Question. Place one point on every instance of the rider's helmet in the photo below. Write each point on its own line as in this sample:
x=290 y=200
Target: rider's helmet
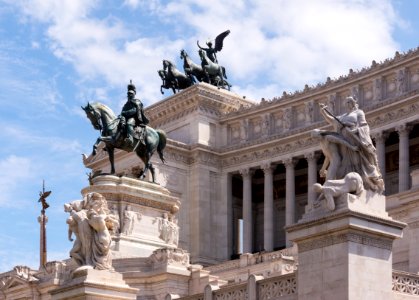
x=131 y=87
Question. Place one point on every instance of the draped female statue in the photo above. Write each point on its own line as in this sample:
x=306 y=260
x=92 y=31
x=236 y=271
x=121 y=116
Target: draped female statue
x=349 y=147
x=91 y=222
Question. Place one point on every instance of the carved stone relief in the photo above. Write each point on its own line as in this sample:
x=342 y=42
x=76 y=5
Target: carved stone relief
x=378 y=88
x=168 y=228
x=129 y=219
x=401 y=81
x=287 y=117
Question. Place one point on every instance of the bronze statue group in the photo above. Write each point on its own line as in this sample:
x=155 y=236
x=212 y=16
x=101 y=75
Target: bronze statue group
x=209 y=71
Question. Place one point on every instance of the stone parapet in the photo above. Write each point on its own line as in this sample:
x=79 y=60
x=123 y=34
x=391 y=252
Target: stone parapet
x=345 y=254
x=91 y=284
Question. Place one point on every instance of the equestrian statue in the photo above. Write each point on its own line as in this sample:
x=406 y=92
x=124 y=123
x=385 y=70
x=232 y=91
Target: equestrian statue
x=129 y=131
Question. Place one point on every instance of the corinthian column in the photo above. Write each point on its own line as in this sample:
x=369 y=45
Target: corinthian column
x=311 y=177
x=403 y=132
x=268 y=208
x=380 y=143
x=289 y=193
x=247 y=210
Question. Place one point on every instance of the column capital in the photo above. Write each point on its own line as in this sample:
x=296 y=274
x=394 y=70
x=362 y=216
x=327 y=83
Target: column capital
x=312 y=156
x=290 y=162
x=403 y=130
x=267 y=168
x=380 y=136
x=246 y=172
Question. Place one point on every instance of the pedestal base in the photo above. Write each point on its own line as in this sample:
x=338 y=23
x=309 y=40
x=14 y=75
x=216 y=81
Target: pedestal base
x=345 y=254
x=91 y=284
x=146 y=214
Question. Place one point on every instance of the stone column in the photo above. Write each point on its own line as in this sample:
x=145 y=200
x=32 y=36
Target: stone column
x=289 y=194
x=268 y=208
x=404 y=178
x=225 y=212
x=380 y=144
x=311 y=178
x=43 y=219
x=247 y=211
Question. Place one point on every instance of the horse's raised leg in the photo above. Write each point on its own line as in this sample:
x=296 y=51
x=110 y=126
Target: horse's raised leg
x=94 y=151
x=111 y=158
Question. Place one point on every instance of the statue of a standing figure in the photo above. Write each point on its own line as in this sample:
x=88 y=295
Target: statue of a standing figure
x=91 y=223
x=211 y=51
x=349 y=147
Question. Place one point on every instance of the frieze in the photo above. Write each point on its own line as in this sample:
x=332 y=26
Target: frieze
x=205 y=158
x=269 y=152
x=310 y=91
x=199 y=94
x=377 y=119
x=322 y=242
x=175 y=256
x=144 y=202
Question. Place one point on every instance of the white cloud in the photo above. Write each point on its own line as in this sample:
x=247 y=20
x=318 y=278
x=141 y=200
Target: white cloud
x=272 y=43
x=293 y=42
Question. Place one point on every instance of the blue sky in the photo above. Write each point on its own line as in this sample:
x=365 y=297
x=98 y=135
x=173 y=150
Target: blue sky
x=57 y=55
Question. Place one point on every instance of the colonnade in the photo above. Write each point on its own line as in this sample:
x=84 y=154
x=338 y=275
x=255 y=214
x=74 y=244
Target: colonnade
x=312 y=169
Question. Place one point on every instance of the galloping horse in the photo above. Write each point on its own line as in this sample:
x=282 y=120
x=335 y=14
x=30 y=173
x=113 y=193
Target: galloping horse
x=192 y=69
x=103 y=119
x=167 y=84
x=182 y=81
x=215 y=73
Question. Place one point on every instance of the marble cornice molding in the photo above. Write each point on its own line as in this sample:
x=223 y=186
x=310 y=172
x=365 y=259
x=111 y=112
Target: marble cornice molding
x=349 y=80
x=201 y=94
x=393 y=112
x=273 y=151
x=192 y=154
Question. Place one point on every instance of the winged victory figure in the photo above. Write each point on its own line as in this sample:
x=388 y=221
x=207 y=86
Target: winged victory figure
x=218 y=45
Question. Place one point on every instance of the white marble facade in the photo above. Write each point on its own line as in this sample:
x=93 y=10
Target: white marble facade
x=230 y=158
x=242 y=171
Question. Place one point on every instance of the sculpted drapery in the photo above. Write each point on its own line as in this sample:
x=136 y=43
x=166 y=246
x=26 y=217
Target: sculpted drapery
x=91 y=222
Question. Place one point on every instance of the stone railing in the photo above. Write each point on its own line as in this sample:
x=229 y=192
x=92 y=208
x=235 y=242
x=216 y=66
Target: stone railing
x=405 y=283
x=277 y=287
x=234 y=292
x=282 y=287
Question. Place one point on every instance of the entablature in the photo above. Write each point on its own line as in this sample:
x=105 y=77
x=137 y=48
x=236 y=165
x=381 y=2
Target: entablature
x=202 y=97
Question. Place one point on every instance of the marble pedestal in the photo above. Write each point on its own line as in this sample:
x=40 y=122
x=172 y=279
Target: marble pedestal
x=90 y=284
x=146 y=213
x=346 y=253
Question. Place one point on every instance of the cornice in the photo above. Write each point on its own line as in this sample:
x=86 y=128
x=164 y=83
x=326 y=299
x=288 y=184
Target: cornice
x=200 y=95
x=330 y=85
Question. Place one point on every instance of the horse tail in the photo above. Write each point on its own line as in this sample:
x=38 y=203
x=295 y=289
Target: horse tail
x=224 y=73
x=162 y=144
